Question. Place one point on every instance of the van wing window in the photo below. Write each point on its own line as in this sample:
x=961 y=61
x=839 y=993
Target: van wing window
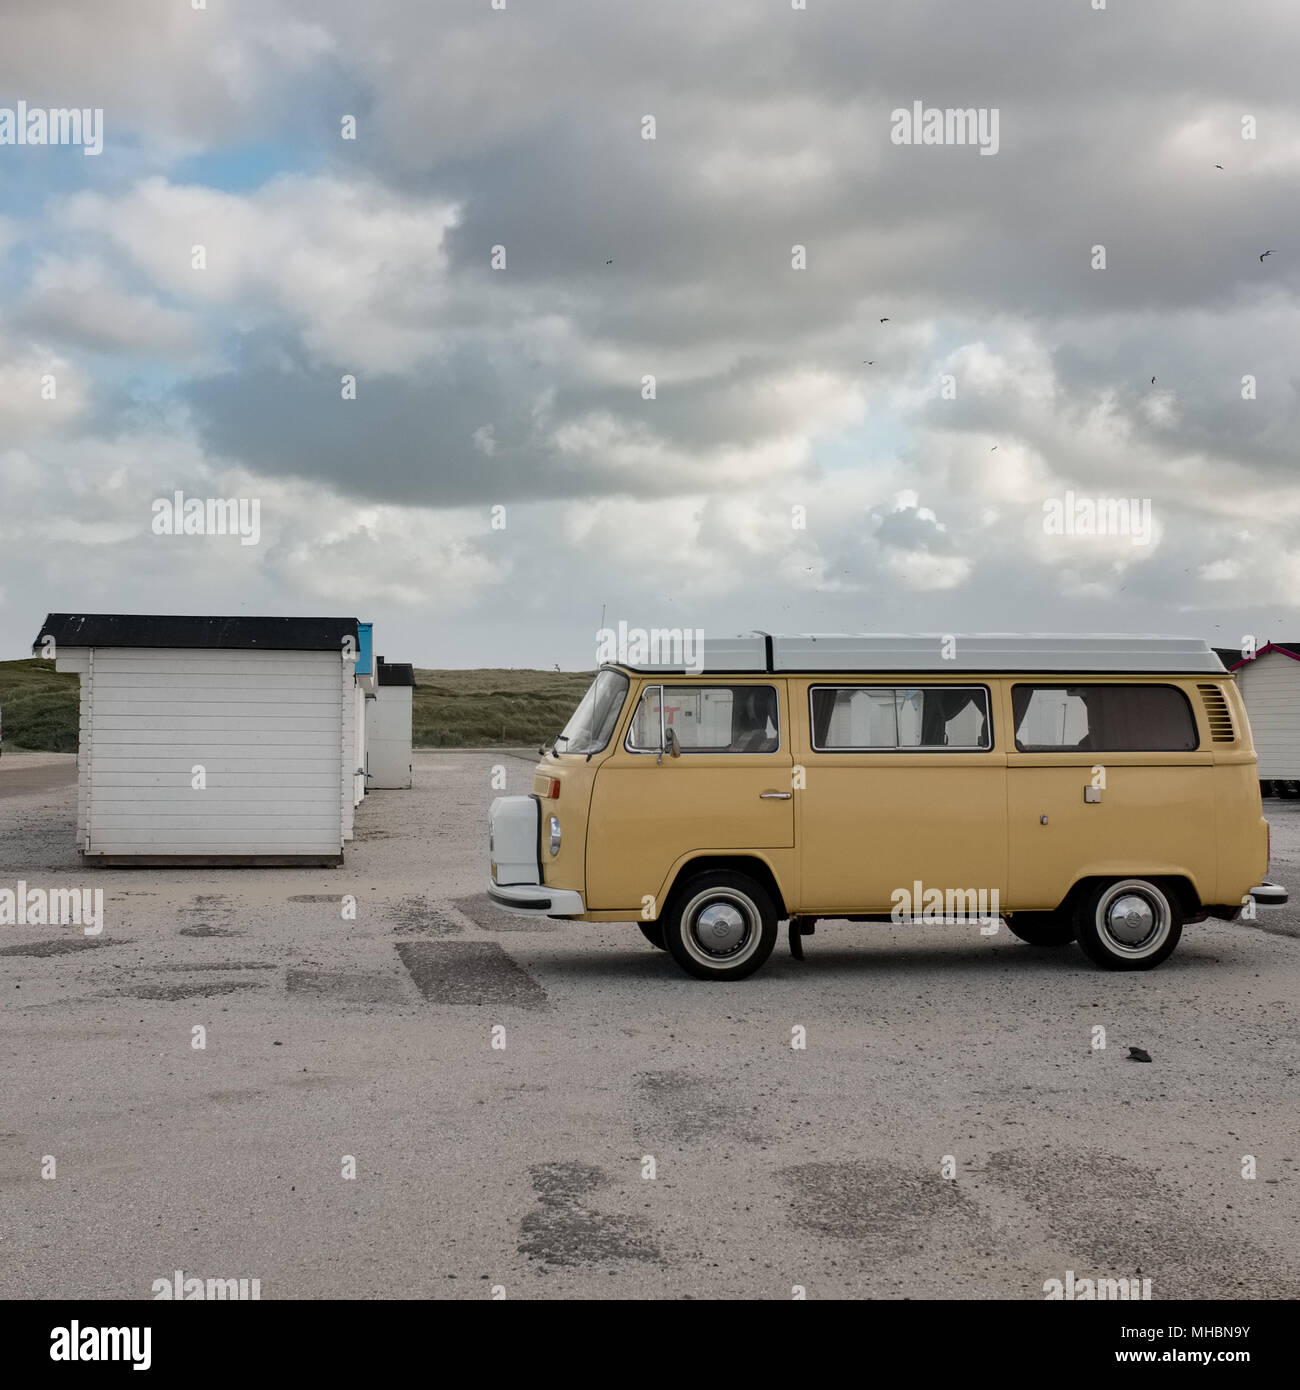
x=1103 y=719
x=592 y=723
x=868 y=718
x=709 y=719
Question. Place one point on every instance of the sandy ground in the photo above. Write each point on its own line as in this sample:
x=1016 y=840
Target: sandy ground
x=22 y=772
x=526 y=1167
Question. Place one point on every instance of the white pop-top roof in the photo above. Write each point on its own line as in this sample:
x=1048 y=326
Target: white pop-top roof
x=986 y=652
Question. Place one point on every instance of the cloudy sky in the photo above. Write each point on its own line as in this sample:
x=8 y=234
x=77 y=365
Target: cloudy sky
x=800 y=465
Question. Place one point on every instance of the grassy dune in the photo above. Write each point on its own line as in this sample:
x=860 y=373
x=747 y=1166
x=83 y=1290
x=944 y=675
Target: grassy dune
x=452 y=709
x=40 y=706
x=459 y=709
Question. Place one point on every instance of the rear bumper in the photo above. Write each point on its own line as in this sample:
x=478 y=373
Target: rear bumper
x=536 y=899
x=1269 y=894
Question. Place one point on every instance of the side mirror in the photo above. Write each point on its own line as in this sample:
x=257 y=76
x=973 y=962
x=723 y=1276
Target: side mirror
x=674 y=748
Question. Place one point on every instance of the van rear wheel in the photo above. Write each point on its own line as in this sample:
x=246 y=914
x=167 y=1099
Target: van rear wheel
x=1042 y=928
x=1128 y=924
x=720 y=926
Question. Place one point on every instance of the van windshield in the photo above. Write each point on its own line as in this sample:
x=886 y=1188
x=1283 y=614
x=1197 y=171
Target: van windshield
x=592 y=723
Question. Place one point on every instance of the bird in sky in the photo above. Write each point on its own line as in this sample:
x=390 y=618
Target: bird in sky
x=1153 y=381
x=872 y=363
x=884 y=320
x=1266 y=253
x=994 y=449
x=1218 y=166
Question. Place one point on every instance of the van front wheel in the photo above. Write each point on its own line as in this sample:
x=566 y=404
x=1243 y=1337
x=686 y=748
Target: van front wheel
x=1128 y=924
x=720 y=926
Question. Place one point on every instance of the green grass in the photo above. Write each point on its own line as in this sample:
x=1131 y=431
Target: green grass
x=452 y=709
x=470 y=709
x=41 y=706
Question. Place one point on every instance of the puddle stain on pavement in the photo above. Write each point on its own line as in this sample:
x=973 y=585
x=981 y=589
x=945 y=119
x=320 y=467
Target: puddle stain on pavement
x=565 y=1230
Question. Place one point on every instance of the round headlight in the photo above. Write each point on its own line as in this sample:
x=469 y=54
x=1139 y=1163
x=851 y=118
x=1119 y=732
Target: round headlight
x=555 y=836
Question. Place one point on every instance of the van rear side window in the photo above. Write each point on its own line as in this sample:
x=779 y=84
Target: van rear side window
x=871 y=718
x=1103 y=719
x=708 y=719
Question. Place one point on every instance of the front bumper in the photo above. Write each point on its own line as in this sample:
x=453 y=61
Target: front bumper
x=536 y=899
x=1269 y=894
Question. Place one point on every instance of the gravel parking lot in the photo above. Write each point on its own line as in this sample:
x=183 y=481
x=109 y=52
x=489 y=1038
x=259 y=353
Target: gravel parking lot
x=527 y=1166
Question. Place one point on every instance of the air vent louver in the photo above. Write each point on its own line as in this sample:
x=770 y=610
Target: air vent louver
x=1216 y=711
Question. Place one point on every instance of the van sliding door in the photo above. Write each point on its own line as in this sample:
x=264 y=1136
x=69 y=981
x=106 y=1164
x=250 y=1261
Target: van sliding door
x=904 y=785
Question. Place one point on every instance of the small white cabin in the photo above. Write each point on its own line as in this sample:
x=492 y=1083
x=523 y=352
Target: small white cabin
x=388 y=727
x=209 y=740
x=1270 y=685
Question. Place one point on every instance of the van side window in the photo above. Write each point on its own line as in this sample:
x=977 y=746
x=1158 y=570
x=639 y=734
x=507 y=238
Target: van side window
x=1103 y=719
x=865 y=718
x=708 y=719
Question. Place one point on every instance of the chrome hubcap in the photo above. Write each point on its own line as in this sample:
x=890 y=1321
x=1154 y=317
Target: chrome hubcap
x=1130 y=919
x=720 y=928
x=1134 y=918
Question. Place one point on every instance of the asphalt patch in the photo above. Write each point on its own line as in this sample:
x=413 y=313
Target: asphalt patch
x=484 y=913
x=205 y=929
x=1114 y=1217
x=889 y=1208
x=420 y=917
x=219 y=965
x=565 y=1231
x=175 y=992
x=348 y=986
x=469 y=972
x=317 y=898
x=57 y=946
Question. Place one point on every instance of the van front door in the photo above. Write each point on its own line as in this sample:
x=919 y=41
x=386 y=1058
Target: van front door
x=727 y=791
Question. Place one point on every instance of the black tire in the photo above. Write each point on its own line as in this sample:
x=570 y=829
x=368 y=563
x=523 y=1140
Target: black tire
x=654 y=934
x=1042 y=928
x=1136 y=937
x=738 y=908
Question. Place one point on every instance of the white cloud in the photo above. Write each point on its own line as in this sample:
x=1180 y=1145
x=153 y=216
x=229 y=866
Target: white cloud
x=356 y=272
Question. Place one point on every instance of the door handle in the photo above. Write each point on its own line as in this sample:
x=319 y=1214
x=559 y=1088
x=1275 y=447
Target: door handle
x=775 y=796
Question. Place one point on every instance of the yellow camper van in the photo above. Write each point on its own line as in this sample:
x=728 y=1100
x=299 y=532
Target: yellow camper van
x=1093 y=789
